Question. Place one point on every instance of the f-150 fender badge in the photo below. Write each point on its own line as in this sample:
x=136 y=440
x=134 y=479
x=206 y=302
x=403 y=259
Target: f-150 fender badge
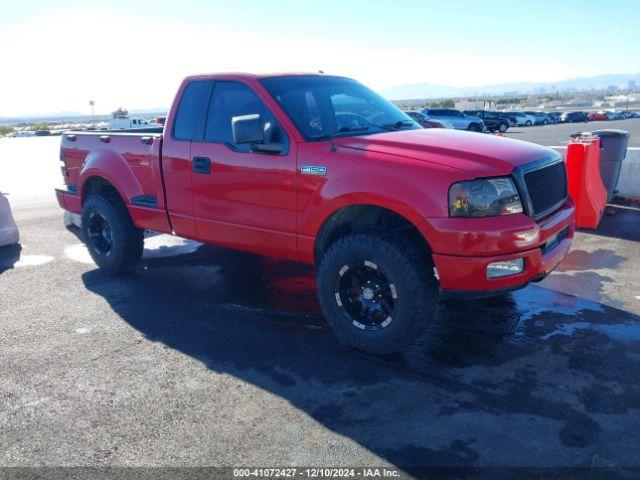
x=313 y=170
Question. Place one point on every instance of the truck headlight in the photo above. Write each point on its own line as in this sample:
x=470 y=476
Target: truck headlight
x=490 y=197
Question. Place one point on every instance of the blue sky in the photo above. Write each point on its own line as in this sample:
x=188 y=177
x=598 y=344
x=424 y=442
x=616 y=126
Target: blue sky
x=58 y=55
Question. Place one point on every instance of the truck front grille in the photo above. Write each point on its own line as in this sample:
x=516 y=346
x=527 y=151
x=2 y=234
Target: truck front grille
x=547 y=187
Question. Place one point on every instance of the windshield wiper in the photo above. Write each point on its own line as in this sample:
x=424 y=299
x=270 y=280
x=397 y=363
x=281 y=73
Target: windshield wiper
x=356 y=128
x=350 y=128
x=399 y=124
x=389 y=127
x=359 y=128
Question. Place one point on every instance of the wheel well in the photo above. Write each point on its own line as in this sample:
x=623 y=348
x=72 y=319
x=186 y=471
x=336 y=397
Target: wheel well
x=362 y=218
x=98 y=185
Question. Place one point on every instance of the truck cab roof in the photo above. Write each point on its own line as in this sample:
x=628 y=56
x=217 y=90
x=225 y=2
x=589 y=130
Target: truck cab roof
x=254 y=76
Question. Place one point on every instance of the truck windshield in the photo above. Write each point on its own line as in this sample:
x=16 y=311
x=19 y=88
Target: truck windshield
x=321 y=105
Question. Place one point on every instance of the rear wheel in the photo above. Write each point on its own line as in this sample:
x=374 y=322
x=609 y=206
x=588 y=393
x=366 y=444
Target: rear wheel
x=377 y=291
x=113 y=241
x=529 y=123
x=503 y=127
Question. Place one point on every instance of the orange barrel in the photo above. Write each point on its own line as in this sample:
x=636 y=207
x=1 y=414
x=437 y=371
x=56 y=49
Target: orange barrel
x=585 y=183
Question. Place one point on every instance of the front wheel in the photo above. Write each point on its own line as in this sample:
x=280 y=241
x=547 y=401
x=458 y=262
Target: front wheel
x=528 y=124
x=475 y=127
x=377 y=291
x=113 y=241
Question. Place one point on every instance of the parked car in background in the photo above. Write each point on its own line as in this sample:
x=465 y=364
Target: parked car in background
x=615 y=115
x=426 y=123
x=161 y=120
x=123 y=122
x=519 y=118
x=597 y=116
x=494 y=122
x=459 y=120
x=22 y=133
x=554 y=116
x=574 y=117
x=541 y=118
x=42 y=133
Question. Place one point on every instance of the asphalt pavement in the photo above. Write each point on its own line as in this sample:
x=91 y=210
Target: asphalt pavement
x=210 y=357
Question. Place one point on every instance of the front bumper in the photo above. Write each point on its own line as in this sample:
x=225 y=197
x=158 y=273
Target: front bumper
x=466 y=275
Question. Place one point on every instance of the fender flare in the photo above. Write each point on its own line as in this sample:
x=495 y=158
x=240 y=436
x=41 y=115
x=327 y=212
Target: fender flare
x=113 y=168
x=338 y=204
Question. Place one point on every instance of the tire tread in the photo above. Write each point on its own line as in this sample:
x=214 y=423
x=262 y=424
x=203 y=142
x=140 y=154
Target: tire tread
x=129 y=255
x=423 y=289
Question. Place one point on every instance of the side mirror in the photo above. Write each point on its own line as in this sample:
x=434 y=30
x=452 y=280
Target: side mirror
x=250 y=129
x=247 y=129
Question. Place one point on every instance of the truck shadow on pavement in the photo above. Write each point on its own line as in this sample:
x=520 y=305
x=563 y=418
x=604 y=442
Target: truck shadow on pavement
x=532 y=378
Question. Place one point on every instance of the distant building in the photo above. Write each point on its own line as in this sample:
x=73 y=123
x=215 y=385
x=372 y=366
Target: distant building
x=473 y=105
x=632 y=85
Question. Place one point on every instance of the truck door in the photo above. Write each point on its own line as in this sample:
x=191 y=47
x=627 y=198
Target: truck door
x=186 y=124
x=243 y=199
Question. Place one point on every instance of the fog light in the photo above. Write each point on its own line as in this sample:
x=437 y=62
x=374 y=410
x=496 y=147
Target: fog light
x=504 y=269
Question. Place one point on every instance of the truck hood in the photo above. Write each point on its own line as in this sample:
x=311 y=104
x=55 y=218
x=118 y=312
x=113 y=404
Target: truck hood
x=476 y=154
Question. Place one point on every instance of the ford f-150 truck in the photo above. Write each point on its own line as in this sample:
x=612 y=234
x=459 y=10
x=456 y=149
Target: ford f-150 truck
x=320 y=169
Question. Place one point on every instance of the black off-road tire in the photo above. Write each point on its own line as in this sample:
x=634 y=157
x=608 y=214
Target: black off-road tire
x=409 y=270
x=127 y=242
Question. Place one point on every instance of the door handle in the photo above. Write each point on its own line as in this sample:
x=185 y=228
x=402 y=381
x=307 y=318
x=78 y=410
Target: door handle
x=202 y=165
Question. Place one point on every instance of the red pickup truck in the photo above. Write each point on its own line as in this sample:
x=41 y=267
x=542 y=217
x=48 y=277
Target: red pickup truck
x=320 y=169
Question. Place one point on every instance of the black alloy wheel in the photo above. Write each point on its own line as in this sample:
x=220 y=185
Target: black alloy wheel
x=366 y=295
x=100 y=236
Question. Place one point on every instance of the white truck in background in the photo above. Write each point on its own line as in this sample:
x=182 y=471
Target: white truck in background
x=124 y=122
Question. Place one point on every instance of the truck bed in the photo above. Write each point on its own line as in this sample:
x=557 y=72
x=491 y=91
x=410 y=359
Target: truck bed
x=146 y=131
x=133 y=156
x=136 y=148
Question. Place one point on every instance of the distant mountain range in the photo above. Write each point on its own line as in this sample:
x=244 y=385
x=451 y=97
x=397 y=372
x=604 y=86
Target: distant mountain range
x=429 y=90
x=407 y=92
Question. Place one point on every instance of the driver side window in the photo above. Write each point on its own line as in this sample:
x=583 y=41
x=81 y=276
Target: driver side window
x=233 y=99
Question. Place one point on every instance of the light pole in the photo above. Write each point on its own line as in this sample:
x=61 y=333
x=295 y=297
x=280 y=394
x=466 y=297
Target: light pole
x=92 y=104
